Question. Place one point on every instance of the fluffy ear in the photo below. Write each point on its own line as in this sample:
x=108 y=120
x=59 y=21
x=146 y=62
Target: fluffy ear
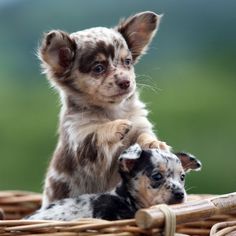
x=138 y=31
x=129 y=156
x=188 y=161
x=57 y=52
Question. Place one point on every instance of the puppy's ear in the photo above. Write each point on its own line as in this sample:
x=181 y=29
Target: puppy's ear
x=57 y=52
x=138 y=31
x=189 y=162
x=129 y=157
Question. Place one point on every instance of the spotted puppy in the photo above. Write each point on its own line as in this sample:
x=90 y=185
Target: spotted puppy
x=101 y=113
x=148 y=177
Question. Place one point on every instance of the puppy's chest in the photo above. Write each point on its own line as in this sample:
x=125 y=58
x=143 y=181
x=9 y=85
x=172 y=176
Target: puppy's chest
x=131 y=112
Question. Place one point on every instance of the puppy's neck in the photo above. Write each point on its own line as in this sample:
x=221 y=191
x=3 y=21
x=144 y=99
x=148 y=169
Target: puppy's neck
x=74 y=103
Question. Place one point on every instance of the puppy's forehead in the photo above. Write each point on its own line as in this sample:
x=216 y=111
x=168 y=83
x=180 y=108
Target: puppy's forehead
x=94 y=35
x=160 y=156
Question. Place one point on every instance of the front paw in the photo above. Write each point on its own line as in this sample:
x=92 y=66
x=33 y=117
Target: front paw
x=121 y=128
x=147 y=141
x=159 y=145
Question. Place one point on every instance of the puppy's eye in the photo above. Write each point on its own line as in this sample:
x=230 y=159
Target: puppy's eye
x=182 y=177
x=98 y=69
x=127 y=61
x=157 y=177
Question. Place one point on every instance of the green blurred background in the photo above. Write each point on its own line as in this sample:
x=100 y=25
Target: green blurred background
x=188 y=81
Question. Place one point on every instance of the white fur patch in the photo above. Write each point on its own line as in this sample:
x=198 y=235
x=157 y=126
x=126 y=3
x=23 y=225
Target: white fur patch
x=133 y=152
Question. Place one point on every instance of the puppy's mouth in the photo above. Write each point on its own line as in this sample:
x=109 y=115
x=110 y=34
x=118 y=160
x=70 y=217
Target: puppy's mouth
x=120 y=94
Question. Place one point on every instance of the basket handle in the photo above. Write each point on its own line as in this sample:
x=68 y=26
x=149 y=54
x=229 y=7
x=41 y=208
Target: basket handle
x=187 y=212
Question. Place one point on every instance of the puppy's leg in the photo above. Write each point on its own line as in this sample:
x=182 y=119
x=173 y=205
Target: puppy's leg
x=146 y=141
x=100 y=145
x=85 y=166
x=113 y=131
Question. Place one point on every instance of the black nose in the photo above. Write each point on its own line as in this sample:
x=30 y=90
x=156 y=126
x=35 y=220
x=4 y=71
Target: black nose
x=123 y=84
x=178 y=195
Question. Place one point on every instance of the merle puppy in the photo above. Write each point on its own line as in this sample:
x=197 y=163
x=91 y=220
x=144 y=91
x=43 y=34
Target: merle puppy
x=148 y=177
x=101 y=113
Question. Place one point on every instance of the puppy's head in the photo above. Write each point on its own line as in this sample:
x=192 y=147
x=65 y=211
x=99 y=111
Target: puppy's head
x=98 y=63
x=156 y=176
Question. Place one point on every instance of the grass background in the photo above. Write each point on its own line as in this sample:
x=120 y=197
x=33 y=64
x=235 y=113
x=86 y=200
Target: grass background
x=189 y=75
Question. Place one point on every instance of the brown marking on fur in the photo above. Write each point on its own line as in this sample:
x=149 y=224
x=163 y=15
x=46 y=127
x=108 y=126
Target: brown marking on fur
x=145 y=194
x=59 y=189
x=88 y=152
x=162 y=168
x=119 y=44
x=69 y=84
x=87 y=58
x=64 y=160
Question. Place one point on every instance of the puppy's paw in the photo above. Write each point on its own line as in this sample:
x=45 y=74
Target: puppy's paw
x=57 y=50
x=159 y=145
x=121 y=128
x=147 y=141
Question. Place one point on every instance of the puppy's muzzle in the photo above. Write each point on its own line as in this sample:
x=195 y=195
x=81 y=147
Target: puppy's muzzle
x=177 y=196
x=123 y=83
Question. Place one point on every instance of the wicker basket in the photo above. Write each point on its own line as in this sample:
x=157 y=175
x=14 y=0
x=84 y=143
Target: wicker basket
x=200 y=215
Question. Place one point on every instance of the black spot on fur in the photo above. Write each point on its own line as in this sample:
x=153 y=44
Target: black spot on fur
x=157 y=184
x=75 y=212
x=77 y=201
x=50 y=206
x=110 y=207
x=61 y=202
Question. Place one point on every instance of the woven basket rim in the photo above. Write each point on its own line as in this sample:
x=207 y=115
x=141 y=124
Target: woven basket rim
x=30 y=201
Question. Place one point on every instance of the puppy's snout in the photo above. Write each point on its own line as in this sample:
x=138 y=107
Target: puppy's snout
x=179 y=195
x=123 y=83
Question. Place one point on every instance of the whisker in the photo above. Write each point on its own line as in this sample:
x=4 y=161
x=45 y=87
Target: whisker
x=190 y=188
x=148 y=86
x=151 y=84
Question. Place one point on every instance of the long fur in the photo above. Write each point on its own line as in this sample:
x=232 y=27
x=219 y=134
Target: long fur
x=101 y=113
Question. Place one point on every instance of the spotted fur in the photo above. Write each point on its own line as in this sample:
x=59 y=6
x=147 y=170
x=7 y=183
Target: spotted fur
x=148 y=177
x=101 y=113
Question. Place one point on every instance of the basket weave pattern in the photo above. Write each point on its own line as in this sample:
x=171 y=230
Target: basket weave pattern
x=17 y=204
